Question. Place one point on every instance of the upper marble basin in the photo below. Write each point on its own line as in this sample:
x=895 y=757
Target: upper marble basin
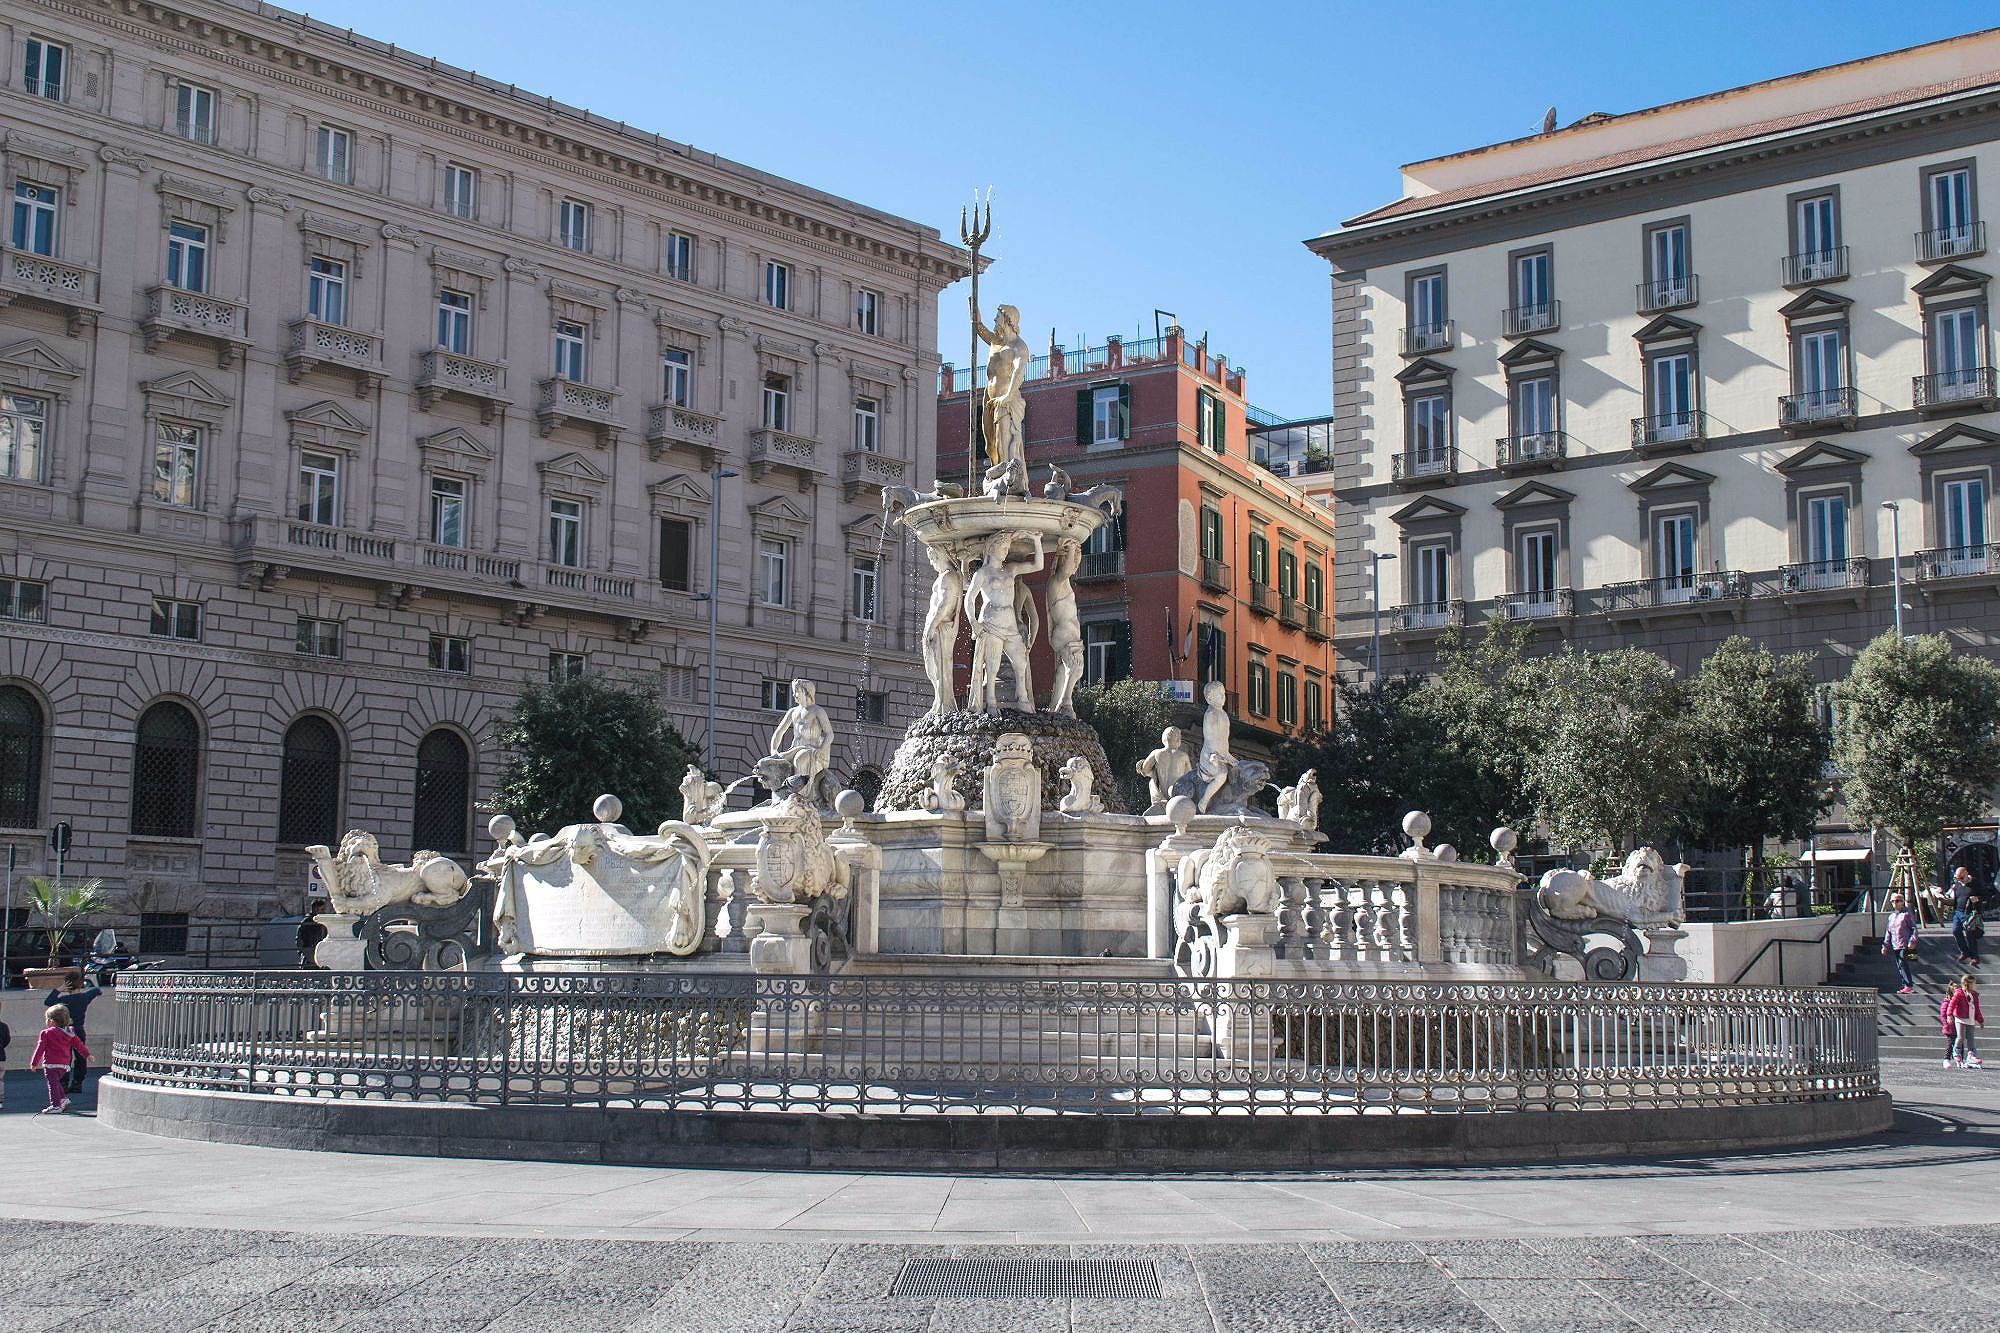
x=951 y=521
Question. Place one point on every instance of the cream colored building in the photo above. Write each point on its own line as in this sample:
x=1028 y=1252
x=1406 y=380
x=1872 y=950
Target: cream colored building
x=1651 y=377
x=346 y=392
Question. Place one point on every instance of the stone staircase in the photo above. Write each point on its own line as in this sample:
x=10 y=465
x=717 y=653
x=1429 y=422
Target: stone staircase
x=1909 y=1023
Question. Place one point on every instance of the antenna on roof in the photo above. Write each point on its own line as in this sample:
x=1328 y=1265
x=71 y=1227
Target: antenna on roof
x=1549 y=121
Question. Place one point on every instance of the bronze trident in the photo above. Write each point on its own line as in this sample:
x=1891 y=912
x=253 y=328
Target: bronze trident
x=973 y=231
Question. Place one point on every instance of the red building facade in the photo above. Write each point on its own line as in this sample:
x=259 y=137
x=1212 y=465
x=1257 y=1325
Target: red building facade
x=1219 y=569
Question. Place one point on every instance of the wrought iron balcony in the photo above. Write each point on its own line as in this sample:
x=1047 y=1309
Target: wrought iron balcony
x=563 y=401
x=669 y=427
x=1973 y=388
x=171 y=312
x=1818 y=407
x=1946 y=243
x=777 y=450
x=1521 y=320
x=440 y=372
x=1101 y=565
x=1214 y=575
x=1427 y=616
x=1424 y=466
x=1659 y=294
x=863 y=473
x=1546 y=448
x=1263 y=600
x=1670 y=430
x=1957 y=562
x=1317 y=625
x=1677 y=590
x=314 y=343
x=1291 y=612
x=1823 y=575
x=1815 y=266
x=1421 y=338
x=68 y=287
x=1542 y=604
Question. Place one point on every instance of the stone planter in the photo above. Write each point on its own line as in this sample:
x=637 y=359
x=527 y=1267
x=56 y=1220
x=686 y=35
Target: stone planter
x=50 y=978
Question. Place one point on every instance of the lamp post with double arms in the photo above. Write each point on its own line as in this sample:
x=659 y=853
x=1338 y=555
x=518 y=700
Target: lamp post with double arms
x=716 y=476
x=1375 y=647
x=1896 y=562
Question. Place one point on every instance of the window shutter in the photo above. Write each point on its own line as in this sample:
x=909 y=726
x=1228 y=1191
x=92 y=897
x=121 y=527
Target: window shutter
x=1221 y=441
x=1121 y=650
x=1124 y=411
x=1118 y=529
x=1083 y=416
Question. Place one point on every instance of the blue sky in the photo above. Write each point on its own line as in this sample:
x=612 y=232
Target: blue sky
x=1164 y=155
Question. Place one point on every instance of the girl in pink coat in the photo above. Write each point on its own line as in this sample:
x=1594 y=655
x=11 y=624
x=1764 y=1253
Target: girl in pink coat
x=1962 y=1009
x=54 y=1050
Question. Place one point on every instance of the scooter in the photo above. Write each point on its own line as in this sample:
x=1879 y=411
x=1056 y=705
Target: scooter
x=104 y=969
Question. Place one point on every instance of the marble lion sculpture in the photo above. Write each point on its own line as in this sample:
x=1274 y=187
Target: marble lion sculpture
x=358 y=882
x=1647 y=892
x=1235 y=875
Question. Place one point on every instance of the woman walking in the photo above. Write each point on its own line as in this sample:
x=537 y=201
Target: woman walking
x=1900 y=940
x=54 y=1050
x=1966 y=1019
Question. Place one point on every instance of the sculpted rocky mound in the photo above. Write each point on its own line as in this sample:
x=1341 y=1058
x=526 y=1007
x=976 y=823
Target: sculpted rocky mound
x=967 y=740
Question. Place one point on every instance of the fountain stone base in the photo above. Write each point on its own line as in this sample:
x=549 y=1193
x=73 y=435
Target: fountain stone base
x=966 y=739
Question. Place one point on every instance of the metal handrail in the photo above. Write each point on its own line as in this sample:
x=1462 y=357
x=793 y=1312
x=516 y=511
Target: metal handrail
x=1824 y=941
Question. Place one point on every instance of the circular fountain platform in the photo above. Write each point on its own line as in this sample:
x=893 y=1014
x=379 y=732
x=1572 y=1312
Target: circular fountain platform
x=967 y=740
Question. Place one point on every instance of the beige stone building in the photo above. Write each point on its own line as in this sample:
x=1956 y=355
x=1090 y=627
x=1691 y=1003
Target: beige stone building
x=343 y=392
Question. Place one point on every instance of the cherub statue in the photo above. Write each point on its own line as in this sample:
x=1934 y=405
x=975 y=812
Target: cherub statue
x=1163 y=768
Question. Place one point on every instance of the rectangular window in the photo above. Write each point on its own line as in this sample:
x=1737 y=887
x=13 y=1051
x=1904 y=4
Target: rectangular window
x=461 y=191
x=1259 y=690
x=1670 y=396
x=862 y=581
x=777 y=402
x=867 y=311
x=1210 y=422
x=571 y=339
x=1315 y=710
x=1667 y=263
x=872 y=706
x=447 y=511
x=1426 y=310
x=680 y=682
x=777 y=284
x=1964 y=525
x=1815 y=238
x=1430 y=578
x=1951 y=213
x=318 y=638
x=1211 y=533
x=677 y=378
x=194 y=112
x=1822 y=374
x=1534 y=409
x=44 y=68
x=1955 y=348
x=1534 y=292
x=573 y=224
x=319 y=488
x=24 y=426
x=1288 y=699
x=1430 y=431
x=455 y=321
x=1260 y=559
x=677 y=554
x=176 y=620
x=678 y=261
x=565 y=667
x=566 y=533
x=1213 y=662
x=163 y=933
x=1288 y=575
x=1107 y=651
x=326 y=290
x=1107 y=415
x=450 y=653
x=187 y=256
x=868 y=424
x=774 y=586
x=333 y=154
x=1826 y=529
x=1673 y=553
x=21 y=599
x=35 y=215
x=776 y=696
x=1315 y=586
x=1535 y=566
x=176 y=464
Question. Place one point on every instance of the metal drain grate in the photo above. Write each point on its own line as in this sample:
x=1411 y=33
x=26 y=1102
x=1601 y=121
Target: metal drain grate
x=1028 y=1280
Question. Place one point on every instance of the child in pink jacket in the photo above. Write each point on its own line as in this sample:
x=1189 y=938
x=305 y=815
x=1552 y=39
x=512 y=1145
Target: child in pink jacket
x=1963 y=1012
x=54 y=1050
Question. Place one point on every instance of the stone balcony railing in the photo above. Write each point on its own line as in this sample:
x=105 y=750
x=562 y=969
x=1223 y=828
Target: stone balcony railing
x=671 y=427
x=863 y=473
x=315 y=344
x=483 y=382
x=69 y=287
x=562 y=401
x=171 y=312
x=777 y=450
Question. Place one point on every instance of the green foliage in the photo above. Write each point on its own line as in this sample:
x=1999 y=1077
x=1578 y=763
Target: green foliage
x=1474 y=701
x=1758 y=752
x=61 y=906
x=1914 y=736
x=1128 y=716
x=574 y=740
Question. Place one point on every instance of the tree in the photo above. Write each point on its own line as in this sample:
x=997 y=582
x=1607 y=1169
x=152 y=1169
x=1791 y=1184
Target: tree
x=1914 y=736
x=1128 y=717
x=1758 y=752
x=571 y=741
x=1474 y=701
x=1608 y=765
x=61 y=906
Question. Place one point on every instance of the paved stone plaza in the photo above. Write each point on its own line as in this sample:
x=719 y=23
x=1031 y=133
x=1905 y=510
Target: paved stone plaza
x=145 y=1233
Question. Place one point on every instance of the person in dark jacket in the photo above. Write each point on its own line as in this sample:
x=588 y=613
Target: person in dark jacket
x=6 y=1035
x=76 y=998
x=1967 y=925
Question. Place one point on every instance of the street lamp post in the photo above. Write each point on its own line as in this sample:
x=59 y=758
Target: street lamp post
x=1896 y=562
x=716 y=476
x=1375 y=646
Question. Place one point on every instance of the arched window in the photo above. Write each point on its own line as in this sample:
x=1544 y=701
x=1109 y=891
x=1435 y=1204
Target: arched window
x=166 y=768
x=444 y=794
x=20 y=758
x=309 y=784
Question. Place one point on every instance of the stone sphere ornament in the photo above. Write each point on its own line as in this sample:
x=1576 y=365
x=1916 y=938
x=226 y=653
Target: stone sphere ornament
x=1417 y=825
x=1180 y=812
x=500 y=828
x=606 y=809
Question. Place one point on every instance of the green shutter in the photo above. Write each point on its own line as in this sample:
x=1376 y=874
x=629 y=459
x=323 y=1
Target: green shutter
x=1124 y=411
x=1221 y=425
x=1083 y=416
x=1121 y=652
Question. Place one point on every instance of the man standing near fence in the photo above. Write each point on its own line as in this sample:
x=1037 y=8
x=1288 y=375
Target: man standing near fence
x=76 y=997
x=1967 y=925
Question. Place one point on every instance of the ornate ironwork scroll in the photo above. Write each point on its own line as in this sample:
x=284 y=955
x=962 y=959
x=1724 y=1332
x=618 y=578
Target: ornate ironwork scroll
x=405 y=937
x=1559 y=938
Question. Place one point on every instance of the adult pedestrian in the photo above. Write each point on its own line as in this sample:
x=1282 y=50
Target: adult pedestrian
x=76 y=998
x=1899 y=941
x=6 y=1035
x=1967 y=925
x=1966 y=1019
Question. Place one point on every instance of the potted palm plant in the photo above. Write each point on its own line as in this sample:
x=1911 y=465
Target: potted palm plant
x=60 y=906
